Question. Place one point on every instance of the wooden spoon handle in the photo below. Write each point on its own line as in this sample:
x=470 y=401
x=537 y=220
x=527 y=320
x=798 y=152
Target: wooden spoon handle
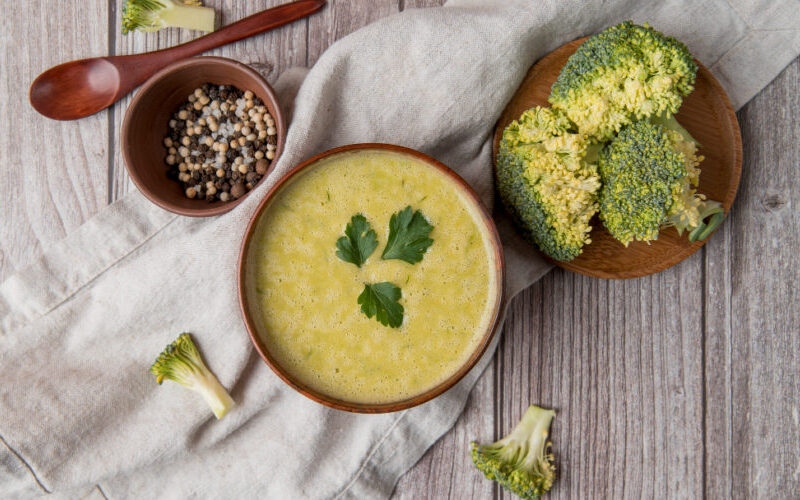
x=136 y=68
x=249 y=26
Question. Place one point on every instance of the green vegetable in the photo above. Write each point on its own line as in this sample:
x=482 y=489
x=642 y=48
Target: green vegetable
x=649 y=173
x=521 y=462
x=381 y=300
x=548 y=182
x=620 y=75
x=181 y=362
x=358 y=243
x=408 y=236
x=153 y=15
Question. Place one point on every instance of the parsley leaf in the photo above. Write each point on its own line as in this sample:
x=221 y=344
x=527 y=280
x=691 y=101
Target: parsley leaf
x=358 y=242
x=408 y=236
x=381 y=300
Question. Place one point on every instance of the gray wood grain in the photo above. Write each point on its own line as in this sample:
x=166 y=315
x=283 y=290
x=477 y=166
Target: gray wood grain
x=53 y=173
x=341 y=17
x=680 y=385
x=619 y=361
x=754 y=373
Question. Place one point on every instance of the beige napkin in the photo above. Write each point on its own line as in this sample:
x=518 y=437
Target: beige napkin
x=80 y=327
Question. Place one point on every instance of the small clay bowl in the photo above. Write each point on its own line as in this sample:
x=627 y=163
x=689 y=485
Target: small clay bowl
x=147 y=120
x=320 y=397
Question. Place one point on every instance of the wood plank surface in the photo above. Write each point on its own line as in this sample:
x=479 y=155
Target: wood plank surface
x=683 y=384
x=53 y=172
x=753 y=320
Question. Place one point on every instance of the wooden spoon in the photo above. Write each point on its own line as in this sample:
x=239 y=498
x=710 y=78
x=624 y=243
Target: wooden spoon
x=80 y=88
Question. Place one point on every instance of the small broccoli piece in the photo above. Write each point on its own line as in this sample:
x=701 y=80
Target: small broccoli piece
x=547 y=182
x=181 y=362
x=649 y=173
x=521 y=462
x=625 y=73
x=153 y=15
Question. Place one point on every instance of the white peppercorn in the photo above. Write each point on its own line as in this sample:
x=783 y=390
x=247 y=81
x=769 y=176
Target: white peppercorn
x=217 y=144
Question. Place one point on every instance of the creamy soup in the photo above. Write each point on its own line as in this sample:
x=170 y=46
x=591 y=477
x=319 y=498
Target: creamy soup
x=303 y=298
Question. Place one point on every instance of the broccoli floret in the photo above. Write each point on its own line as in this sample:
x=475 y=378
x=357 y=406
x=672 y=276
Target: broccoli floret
x=625 y=73
x=649 y=173
x=547 y=182
x=521 y=462
x=153 y=15
x=181 y=362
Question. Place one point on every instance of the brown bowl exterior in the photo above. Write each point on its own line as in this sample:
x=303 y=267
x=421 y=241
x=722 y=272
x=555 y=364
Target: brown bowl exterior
x=406 y=403
x=147 y=120
x=706 y=113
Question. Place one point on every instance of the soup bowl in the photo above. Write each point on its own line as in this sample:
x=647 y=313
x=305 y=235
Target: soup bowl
x=254 y=261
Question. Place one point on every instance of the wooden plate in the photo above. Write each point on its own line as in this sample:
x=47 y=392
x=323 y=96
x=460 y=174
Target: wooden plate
x=706 y=113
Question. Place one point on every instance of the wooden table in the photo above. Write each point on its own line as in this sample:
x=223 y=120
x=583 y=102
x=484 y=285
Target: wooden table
x=680 y=385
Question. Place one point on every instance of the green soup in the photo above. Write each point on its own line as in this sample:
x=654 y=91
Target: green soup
x=303 y=298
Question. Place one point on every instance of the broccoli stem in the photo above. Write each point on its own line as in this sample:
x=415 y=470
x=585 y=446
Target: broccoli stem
x=533 y=429
x=670 y=123
x=214 y=394
x=704 y=230
x=188 y=16
x=537 y=428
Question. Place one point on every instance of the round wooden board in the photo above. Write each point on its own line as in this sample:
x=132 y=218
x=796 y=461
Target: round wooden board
x=706 y=113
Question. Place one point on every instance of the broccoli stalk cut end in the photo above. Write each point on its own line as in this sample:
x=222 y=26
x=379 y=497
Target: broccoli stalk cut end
x=716 y=213
x=153 y=15
x=521 y=462
x=181 y=362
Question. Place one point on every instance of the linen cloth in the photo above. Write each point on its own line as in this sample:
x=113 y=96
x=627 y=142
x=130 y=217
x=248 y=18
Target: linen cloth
x=80 y=327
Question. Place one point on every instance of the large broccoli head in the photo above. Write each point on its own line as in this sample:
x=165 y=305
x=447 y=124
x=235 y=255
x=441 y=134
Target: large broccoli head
x=546 y=183
x=649 y=173
x=620 y=75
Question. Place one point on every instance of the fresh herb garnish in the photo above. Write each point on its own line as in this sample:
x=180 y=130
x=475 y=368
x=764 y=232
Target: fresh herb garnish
x=381 y=300
x=358 y=242
x=408 y=236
